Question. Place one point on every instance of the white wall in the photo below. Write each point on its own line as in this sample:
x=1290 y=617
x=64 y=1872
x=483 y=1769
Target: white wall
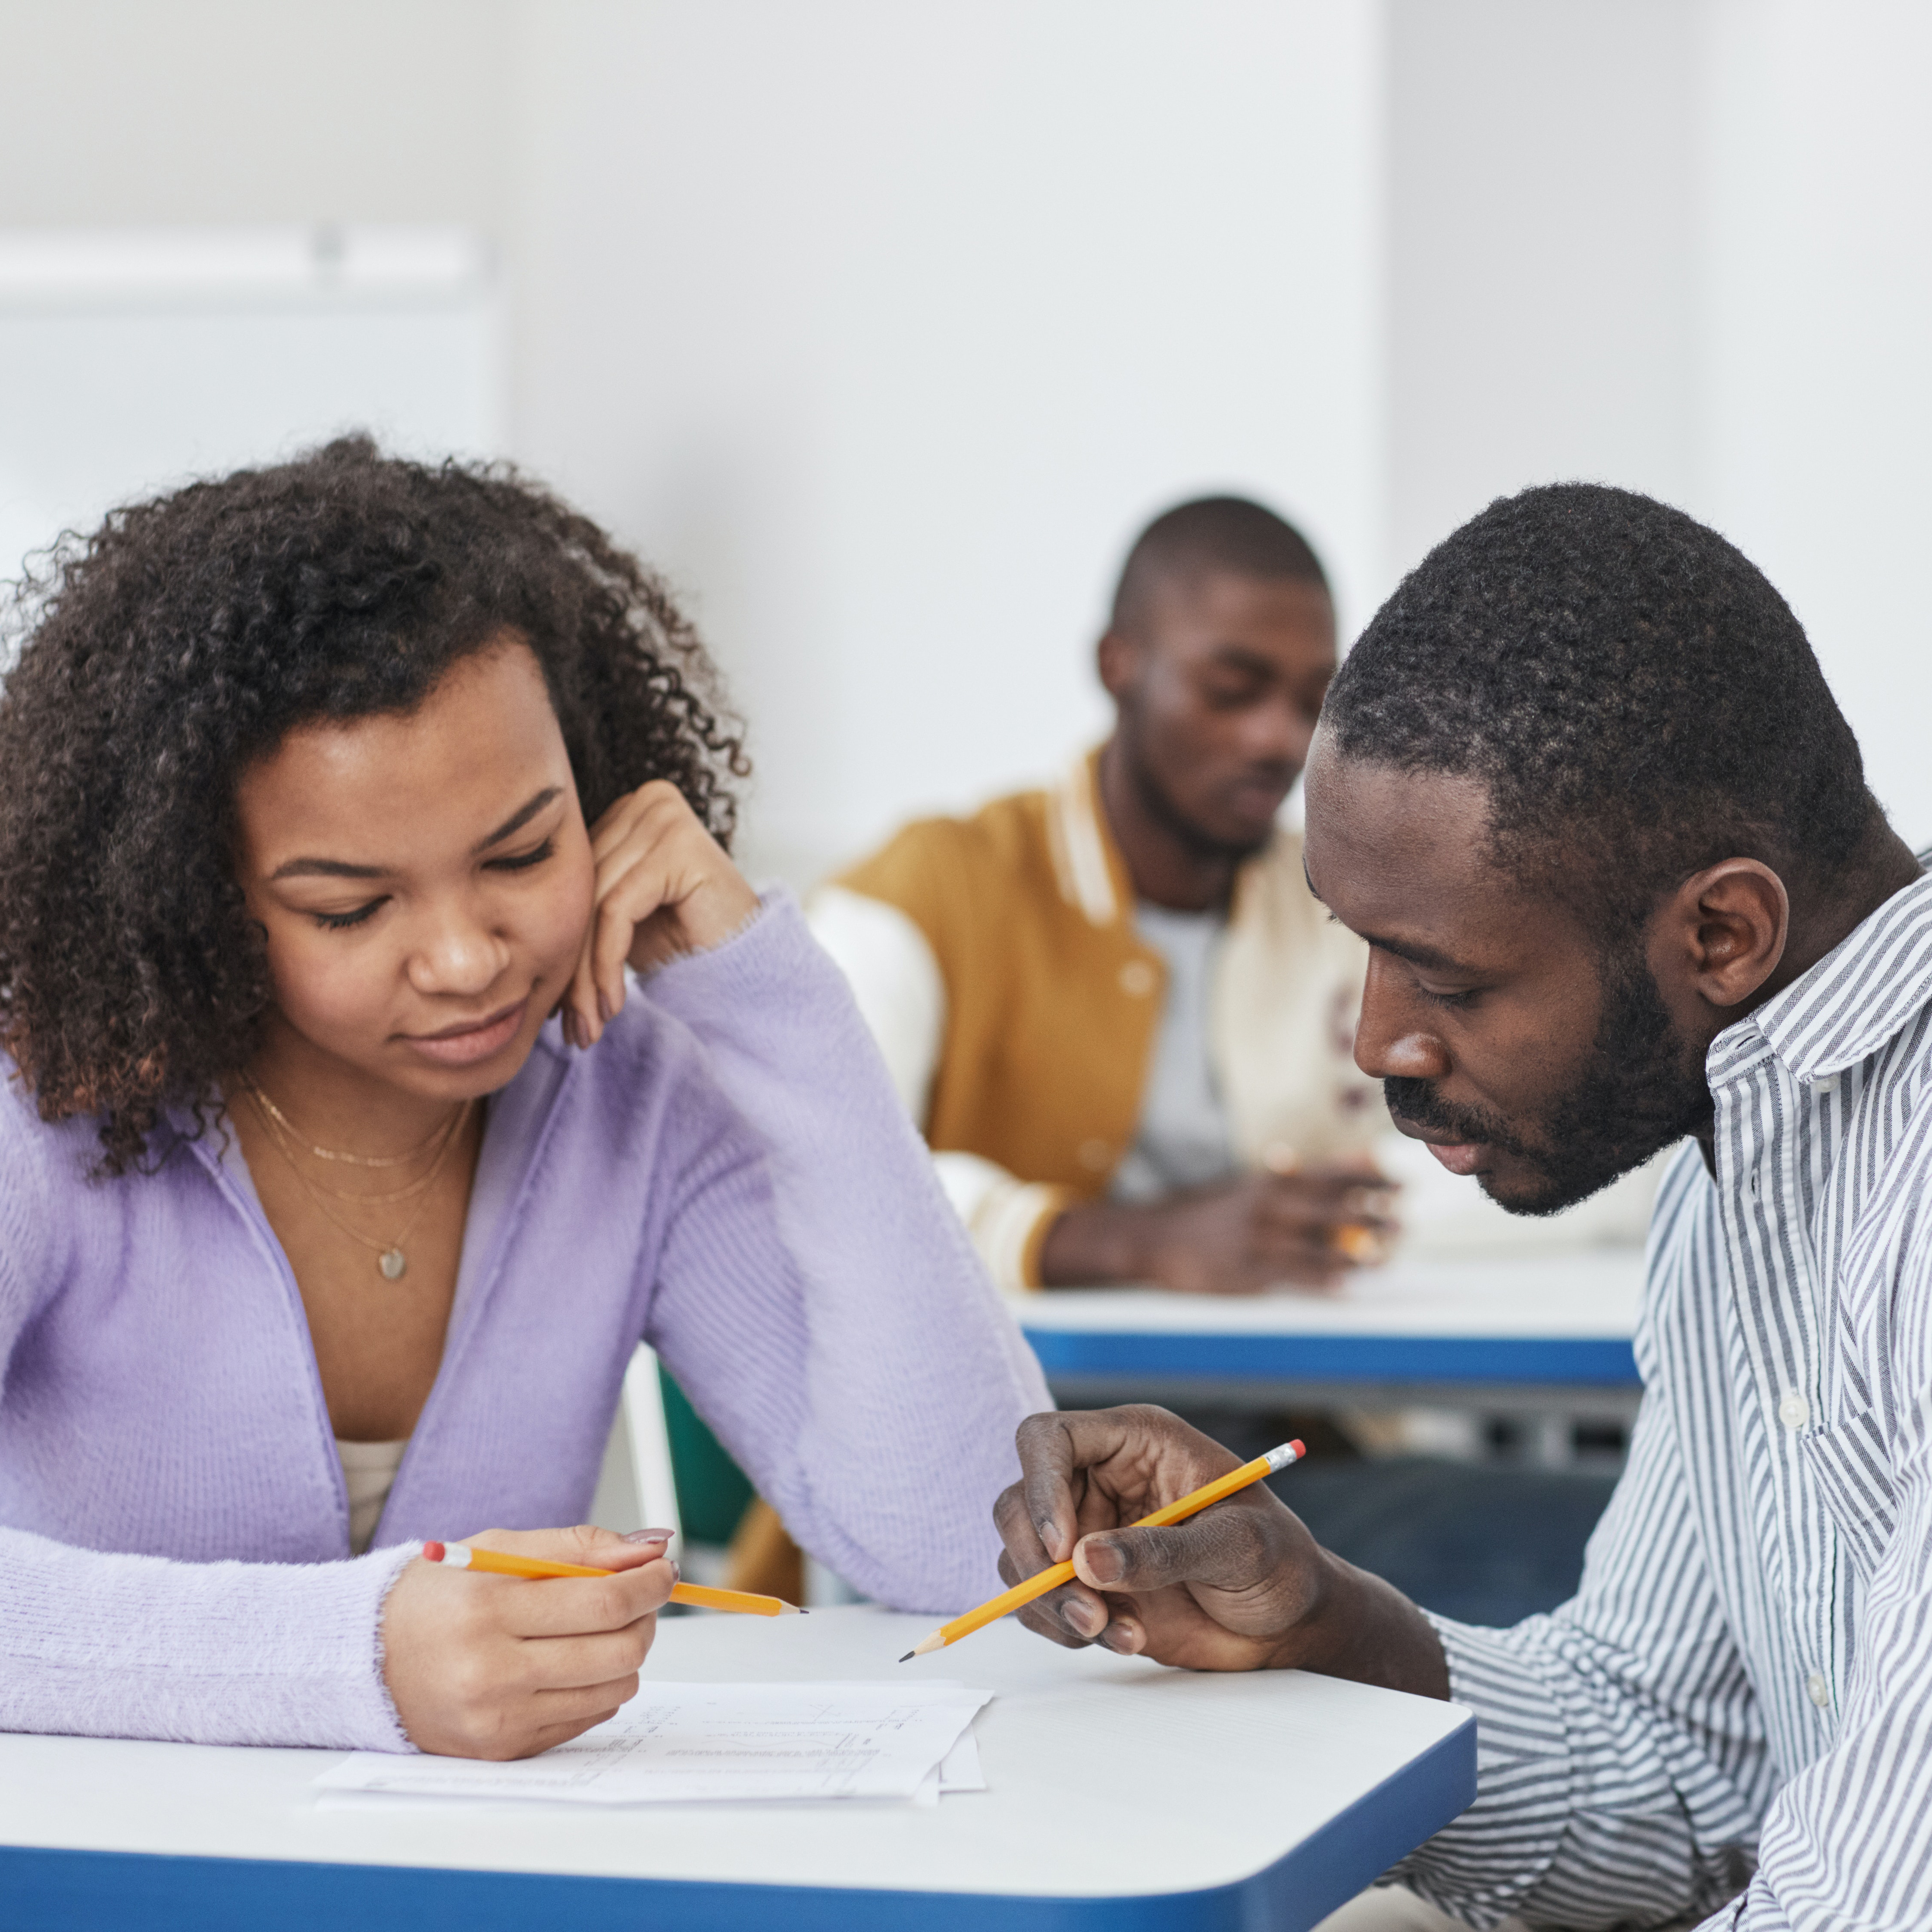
x=194 y=111
x=1815 y=379
x=884 y=326
x=1543 y=222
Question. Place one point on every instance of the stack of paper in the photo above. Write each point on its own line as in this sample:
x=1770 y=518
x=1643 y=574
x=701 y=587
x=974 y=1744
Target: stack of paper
x=678 y=1743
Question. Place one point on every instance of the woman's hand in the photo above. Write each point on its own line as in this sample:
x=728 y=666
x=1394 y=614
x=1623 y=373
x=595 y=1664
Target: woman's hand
x=664 y=886
x=481 y=1666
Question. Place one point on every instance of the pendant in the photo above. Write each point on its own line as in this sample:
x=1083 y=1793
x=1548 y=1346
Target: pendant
x=393 y=1263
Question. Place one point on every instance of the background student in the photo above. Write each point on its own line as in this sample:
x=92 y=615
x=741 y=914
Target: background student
x=341 y=1170
x=1118 y=1016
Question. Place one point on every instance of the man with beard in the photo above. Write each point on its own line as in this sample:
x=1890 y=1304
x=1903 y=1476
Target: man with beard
x=1113 y=1006
x=1583 y=790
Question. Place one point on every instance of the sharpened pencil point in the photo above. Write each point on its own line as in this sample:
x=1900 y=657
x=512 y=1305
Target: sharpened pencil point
x=908 y=1657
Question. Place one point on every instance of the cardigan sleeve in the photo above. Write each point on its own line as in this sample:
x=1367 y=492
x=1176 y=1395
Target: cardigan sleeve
x=95 y=1644
x=817 y=1298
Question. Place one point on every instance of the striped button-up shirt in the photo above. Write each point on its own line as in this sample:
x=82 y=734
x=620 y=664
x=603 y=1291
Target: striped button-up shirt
x=1734 y=1714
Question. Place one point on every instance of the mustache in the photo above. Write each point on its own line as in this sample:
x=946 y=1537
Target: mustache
x=1417 y=1102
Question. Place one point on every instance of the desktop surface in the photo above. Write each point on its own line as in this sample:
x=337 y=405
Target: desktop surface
x=1117 y=1790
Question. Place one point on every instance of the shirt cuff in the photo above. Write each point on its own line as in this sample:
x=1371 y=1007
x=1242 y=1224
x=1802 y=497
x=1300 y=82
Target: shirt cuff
x=1007 y=1218
x=1480 y=1867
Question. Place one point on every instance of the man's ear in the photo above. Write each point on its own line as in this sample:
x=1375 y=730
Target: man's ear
x=1119 y=659
x=1722 y=933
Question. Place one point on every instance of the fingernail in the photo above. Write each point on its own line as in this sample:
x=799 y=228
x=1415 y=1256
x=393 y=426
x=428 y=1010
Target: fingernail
x=1116 y=1637
x=650 y=1535
x=1048 y=1530
x=603 y=1008
x=1082 y=1618
x=1104 y=1563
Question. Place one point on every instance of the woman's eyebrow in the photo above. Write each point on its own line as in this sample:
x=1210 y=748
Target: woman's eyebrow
x=325 y=868
x=518 y=819
x=340 y=869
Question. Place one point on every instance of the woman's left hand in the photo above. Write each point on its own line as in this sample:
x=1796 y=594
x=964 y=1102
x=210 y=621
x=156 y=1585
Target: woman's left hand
x=664 y=886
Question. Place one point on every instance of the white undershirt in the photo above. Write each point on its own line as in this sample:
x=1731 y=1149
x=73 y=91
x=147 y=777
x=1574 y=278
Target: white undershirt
x=369 y=1469
x=1182 y=1140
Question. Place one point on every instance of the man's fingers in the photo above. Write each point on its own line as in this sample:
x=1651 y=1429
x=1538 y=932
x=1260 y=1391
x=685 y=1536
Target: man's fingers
x=1050 y=1452
x=1072 y=1615
x=1234 y=1545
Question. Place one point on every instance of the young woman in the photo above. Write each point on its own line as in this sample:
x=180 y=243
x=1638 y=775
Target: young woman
x=341 y=1168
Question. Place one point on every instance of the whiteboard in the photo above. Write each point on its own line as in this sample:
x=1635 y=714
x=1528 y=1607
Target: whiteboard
x=132 y=362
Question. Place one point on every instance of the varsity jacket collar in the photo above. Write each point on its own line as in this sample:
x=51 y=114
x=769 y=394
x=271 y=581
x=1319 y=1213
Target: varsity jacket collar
x=1088 y=864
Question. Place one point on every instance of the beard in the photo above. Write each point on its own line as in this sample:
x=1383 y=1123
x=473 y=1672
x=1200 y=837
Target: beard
x=1160 y=805
x=1639 y=1090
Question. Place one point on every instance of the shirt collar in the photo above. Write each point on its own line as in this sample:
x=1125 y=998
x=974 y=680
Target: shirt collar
x=1864 y=992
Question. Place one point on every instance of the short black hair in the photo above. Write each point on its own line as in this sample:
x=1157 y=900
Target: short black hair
x=186 y=638
x=1211 y=533
x=1629 y=688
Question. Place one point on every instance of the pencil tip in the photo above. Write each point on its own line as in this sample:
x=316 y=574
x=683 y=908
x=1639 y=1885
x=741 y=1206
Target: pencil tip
x=908 y=1657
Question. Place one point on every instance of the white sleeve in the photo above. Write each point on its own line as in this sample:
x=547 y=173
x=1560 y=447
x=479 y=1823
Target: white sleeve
x=901 y=995
x=895 y=979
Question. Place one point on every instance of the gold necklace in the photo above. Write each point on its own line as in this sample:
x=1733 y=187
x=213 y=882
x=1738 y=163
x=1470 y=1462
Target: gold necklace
x=402 y=1159
x=390 y=1257
x=288 y=1144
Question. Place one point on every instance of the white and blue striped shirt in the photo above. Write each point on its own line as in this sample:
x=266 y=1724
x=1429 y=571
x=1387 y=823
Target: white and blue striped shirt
x=1734 y=1714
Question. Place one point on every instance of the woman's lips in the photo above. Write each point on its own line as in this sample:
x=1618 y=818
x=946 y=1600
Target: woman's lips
x=465 y=1045
x=1458 y=1156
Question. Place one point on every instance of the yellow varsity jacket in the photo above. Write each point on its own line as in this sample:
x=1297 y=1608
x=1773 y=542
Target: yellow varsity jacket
x=996 y=960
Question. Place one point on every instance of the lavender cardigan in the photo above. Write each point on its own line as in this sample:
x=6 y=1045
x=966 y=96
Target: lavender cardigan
x=727 y=1175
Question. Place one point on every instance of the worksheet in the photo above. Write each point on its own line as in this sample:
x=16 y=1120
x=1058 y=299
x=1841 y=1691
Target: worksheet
x=685 y=1743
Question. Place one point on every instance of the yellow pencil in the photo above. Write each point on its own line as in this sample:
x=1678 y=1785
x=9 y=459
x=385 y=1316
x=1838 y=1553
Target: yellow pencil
x=467 y=1556
x=1056 y=1574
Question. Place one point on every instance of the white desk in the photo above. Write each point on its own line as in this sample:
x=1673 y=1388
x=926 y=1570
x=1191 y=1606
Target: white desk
x=1118 y=1793
x=1472 y=1330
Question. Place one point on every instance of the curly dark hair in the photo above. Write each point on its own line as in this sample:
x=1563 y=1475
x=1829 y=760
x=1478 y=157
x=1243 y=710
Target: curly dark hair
x=1630 y=690
x=185 y=638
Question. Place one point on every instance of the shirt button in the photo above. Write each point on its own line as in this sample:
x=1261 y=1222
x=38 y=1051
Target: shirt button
x=1794 y=1411
x=1826 y=1083
x=1095 y=1157
x=1817 y=1689
x=1137 y=979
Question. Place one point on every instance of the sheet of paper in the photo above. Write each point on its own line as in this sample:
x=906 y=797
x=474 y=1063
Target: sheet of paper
x=958 y=1770
x=680 y=1743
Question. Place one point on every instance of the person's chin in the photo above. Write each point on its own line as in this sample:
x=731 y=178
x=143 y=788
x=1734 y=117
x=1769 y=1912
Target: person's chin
x=1241 y=831
x=1523 y=1186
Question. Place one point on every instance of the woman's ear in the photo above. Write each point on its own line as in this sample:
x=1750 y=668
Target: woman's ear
x=1722 y=932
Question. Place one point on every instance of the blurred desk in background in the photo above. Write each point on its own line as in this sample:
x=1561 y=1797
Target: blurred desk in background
x=1543 y=1336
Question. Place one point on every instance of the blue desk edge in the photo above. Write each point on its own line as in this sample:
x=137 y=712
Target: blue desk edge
x=106 y=1892
x=1606 y=1360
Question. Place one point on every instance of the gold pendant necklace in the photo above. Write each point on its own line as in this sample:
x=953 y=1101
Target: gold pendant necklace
x=390 y=1258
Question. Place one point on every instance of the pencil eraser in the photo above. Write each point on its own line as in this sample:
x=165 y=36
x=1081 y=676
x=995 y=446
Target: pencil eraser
x=432 y=1552
x=1300 y=1447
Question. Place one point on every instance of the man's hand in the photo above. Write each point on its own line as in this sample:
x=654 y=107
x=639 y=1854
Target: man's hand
x=1242 y=1586
x=481 y=1666
x=664 y=886
x=1308 y=1227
